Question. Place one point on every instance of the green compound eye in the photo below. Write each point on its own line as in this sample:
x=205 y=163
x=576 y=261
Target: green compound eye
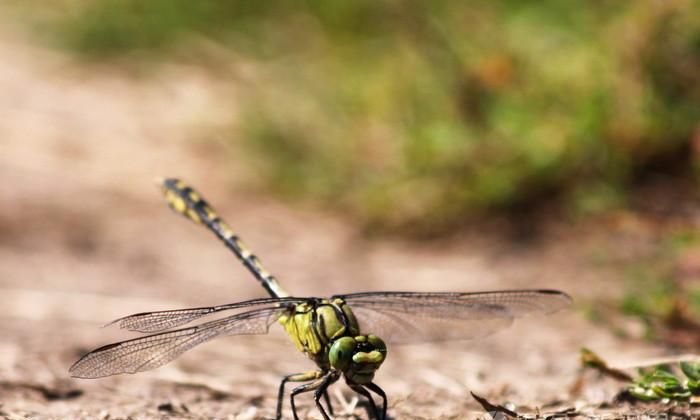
x=340 y=354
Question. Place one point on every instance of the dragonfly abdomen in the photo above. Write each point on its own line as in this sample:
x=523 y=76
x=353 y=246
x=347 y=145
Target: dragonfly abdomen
x=185 y=200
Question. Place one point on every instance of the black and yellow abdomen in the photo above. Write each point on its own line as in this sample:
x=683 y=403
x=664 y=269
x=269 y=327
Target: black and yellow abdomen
x=313 y=326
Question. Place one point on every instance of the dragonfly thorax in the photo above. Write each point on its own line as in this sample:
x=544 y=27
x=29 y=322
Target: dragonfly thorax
x=358 y=357
x=314 y=325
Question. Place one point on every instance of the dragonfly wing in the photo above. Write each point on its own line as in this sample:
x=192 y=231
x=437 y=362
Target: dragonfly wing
x=413 y=317
x=155 y=350
x=150 y=322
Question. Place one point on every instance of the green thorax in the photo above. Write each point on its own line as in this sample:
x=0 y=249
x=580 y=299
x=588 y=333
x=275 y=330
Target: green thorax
x=314 y=325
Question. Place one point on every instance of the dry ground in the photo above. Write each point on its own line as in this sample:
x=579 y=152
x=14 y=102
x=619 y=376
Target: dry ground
x=85 y=238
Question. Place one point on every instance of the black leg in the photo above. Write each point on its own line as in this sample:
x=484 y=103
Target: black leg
x=374 y=387
x=295 y=377
x=328 y=402
x=323 y=390
x=360 y=390
x=307 y=388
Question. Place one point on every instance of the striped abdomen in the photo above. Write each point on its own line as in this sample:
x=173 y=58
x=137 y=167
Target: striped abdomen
x=186 y=201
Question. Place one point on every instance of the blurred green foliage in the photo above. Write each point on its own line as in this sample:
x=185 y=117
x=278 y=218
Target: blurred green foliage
x=662 y=292
x=418 y=115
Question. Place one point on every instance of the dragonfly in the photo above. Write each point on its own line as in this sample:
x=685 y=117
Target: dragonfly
x=346 y=335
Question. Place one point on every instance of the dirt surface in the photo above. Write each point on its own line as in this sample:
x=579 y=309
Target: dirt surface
x=85 y=238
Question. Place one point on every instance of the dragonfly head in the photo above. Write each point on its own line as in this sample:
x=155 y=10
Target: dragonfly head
x=358 y=357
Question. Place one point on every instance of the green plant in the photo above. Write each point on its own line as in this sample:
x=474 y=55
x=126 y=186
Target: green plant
x=660 y=383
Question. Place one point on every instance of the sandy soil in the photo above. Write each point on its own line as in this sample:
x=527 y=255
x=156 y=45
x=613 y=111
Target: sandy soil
x=85 y=238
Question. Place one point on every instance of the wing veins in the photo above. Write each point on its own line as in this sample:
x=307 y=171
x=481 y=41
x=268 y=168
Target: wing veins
x=123 y=357
x=151 y=322
x=405 y=317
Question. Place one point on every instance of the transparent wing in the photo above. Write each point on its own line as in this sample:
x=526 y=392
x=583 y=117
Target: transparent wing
x=150 y=322
x=155 y=350
x=409 y=317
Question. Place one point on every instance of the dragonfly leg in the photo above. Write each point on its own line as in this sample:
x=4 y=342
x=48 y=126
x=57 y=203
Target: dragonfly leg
x=321 y=383
x=295 y=377
x=322 y=390
x=328 y=401
x=377 y=390
x=311 y=386
x=362 y=391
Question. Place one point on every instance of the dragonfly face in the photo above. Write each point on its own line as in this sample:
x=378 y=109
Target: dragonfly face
x=358 y=357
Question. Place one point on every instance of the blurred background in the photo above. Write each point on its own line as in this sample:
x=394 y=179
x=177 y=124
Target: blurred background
x=354 y=146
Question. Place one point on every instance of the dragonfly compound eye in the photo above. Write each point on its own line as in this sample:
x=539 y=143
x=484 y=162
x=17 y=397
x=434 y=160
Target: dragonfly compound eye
x=340 y=354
